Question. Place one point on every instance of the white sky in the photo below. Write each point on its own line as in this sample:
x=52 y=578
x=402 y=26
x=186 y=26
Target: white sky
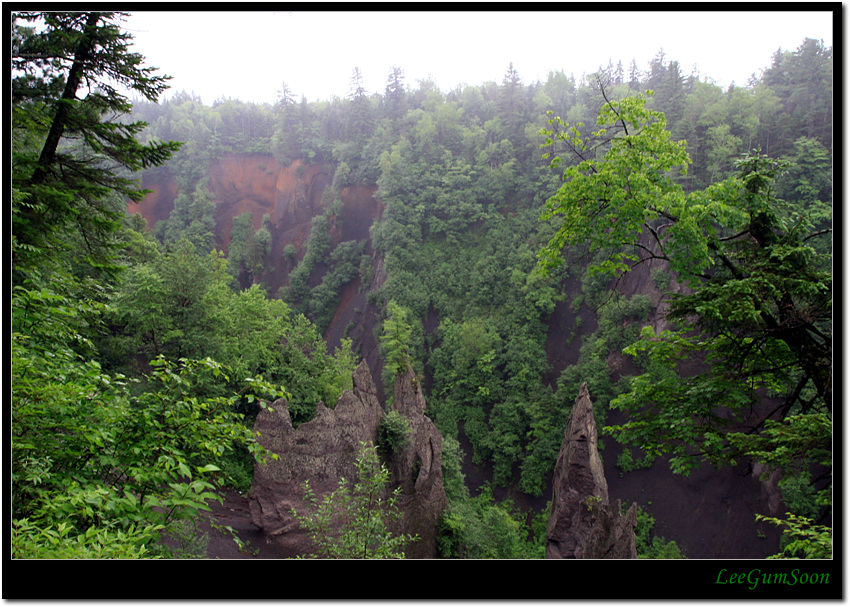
x=247 y=54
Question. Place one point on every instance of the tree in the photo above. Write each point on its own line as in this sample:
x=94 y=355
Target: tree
x=807 y=540
x=73 y=151
x=99 y=469
x=287 y=132
x=395 y=95
x=511 y=104
x=803 y=80
x=355 y=521
x=248 y=248
x=361 y=111
x=395 y=339
x=756 y=313
x=181 y=304
x=807 y=184
x=607 y=204
x=192 y=218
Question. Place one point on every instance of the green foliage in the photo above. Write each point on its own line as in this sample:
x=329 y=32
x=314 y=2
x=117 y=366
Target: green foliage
x=800 y=496
x=802 y=80
x=249 y=249
x=180 y=304
x=94 y=460
x=756 y=317
x=626 y=461
x=807 y=540
x=345 y=260
x=745 y=260
x=618 y=319
x=395 y=340
x=454 y=480
x=65 y=88
x=297 y=293
x=793 y=446
x=649 y=545
x=609 y=202
x=61 y=541
x=393 y=432
x=164 y=303
x=192 y=219
x=355 y=521
x=480 y=528
x=462 y=187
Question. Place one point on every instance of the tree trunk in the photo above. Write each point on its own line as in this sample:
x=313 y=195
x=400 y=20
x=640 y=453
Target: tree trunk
x=81 y=57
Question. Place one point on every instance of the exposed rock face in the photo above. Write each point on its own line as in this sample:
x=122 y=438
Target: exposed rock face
x=418 y=469
x=322 y=451
x=582 y=524
x=325 y=449
x=291 y=196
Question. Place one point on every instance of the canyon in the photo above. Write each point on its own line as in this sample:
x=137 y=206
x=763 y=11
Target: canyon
x=709 y=514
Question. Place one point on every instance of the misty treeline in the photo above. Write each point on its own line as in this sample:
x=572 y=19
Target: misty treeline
x=115 y=321
x=463 y=182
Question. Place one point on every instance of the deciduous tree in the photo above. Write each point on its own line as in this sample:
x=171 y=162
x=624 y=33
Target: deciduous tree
x=356 y=520
x=757 y=309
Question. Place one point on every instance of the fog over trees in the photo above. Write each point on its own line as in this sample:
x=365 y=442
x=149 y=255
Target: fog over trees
x=141 y=354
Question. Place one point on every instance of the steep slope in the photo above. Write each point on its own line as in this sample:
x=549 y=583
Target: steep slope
x=291 y=196
x=724 y=502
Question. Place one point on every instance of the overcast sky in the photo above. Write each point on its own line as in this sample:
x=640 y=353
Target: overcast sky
x=247 y=54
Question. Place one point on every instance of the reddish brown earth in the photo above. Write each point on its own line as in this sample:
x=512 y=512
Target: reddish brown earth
x=159 y=203
x=234 y=513
x=709 y=514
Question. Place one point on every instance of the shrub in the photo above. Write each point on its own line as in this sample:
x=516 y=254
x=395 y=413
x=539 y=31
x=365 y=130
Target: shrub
x=651 y=546
x=626 y=461
x=393 y=432
x=355 y=520
x=481 y=528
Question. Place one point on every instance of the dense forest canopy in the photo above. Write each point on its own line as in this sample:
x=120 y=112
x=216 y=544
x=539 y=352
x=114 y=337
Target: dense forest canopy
x=727 y=191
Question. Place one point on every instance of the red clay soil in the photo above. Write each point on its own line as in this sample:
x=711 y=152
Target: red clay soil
x=158 y=204
x=709 y=514
x=234 y=513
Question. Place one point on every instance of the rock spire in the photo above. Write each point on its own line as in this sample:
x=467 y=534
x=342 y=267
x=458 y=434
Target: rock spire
x=324 y=450
x=582 y=523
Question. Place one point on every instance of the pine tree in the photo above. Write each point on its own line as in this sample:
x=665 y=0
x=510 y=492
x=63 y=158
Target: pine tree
x=361 y=114
x=71 y=148
x=395 y=96
x=511 y=104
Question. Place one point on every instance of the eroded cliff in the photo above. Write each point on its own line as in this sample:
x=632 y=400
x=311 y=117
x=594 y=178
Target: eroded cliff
x=324 y=450
x=292 y=196
x=582 y=522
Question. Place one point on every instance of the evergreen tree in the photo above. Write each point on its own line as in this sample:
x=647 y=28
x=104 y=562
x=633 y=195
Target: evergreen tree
x=286 y=144
x=395 y=96
x=511 y=104
x=361 y=112
x=634 y=75
x=68 y=70
x=803 y=81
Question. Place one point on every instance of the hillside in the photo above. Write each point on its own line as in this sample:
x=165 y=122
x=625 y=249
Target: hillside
x=440 y=297
x=722 y=504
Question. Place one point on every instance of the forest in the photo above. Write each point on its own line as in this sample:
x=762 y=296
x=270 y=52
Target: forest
x=680 y=232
